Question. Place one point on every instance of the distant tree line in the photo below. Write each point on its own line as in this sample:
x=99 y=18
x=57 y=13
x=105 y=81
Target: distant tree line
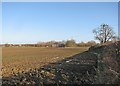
x=68 y=43
x=104 y=34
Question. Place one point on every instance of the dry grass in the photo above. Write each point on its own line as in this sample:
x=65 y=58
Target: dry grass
x=21 y=59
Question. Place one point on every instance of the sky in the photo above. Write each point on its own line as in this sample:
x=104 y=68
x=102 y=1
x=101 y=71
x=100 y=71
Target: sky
x=32 y=22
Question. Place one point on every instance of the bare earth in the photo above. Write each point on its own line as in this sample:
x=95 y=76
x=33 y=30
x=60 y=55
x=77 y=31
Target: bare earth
x=41 y=66
x=21 y=59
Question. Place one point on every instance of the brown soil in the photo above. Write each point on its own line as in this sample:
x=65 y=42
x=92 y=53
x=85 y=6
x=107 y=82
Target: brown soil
x=77 y=69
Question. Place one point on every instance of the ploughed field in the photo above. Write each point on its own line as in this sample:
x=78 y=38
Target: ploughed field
x=40 y=66
x=23 y=59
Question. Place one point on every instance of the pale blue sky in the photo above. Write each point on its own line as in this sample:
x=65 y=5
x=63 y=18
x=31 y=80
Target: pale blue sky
x=33 y=22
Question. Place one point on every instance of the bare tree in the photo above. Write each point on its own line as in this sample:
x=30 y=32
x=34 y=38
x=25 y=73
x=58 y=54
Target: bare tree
x=104 y=33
